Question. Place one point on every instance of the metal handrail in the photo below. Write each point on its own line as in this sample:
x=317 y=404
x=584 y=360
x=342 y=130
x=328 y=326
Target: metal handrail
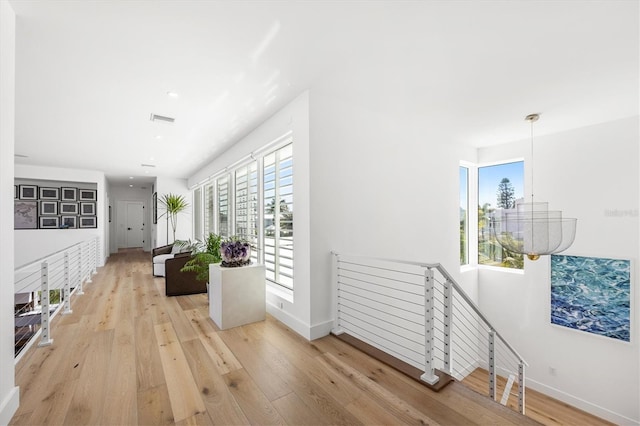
x=53 y=272
x=447 y=276
x=398 y=337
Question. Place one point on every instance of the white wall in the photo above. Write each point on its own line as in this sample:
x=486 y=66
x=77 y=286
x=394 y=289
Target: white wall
x=583 y=172
x=125 y=193
x=184 y=226
x=33 y=244
x=9 y=393
x=383 y=184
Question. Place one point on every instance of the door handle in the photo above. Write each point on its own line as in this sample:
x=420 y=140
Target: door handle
x=128 y=229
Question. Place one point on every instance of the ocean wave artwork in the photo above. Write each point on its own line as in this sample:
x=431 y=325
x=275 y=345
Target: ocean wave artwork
x=592 y=294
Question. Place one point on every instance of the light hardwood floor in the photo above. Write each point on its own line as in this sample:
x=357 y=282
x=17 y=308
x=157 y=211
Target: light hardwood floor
x=129 y=355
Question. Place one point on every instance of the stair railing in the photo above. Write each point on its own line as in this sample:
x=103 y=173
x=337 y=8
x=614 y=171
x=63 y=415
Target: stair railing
x=417 y=312
x=64 y=271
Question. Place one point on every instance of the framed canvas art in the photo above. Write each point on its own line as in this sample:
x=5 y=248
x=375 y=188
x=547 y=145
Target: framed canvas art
x=48 y=208
x=87 y=195
x=88 y=222
x=25 y=214
x=87 y=209
x=68 y=194
x=69 y=208
x=28 y=192
x=70 y=222
x=592 y=294
x=49 y=193
x=49 y=222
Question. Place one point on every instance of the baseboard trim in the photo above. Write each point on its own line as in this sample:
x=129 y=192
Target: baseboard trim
x=587 y=406
x=289 y=320
x=9 y=405
x=305 y=330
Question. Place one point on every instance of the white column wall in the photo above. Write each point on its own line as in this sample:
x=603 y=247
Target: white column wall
x=34 y=244
x=583 y=172
x=184 y=227
x=9 y=393
x=383 y=184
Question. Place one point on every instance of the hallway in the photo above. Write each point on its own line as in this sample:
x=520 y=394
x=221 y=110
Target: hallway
x=129 y=355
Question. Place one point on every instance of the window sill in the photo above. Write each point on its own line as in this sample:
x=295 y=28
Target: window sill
x=501 y=269
x=280 y=292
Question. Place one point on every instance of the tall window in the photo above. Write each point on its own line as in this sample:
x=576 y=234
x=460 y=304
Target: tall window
x=209 y=212
x=464 y=215
x=246 y=199
x=278 y=216
x=500 y=186
x=197 y=214
x=223 y=206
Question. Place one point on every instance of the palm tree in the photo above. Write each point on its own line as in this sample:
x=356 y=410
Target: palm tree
x=173 y=204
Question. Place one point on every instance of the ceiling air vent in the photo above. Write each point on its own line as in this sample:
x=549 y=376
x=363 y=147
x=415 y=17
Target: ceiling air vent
x=156 y=117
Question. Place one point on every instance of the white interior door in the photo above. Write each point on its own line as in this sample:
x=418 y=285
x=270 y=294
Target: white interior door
x=135 y=224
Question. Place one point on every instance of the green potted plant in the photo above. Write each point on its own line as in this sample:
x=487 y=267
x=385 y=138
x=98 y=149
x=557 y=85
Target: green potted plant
x=173 y=204
x=203 y=254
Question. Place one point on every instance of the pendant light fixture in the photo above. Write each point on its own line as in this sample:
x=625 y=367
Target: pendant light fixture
x=531 y=228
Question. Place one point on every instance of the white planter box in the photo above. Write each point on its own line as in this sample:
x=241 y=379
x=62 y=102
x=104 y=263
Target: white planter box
x=237 y=296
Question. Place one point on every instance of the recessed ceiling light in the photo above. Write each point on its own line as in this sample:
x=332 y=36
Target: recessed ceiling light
x=151 y=158
x=130 y=177
x=172 y=94
x=130 y=186
x=158 y=136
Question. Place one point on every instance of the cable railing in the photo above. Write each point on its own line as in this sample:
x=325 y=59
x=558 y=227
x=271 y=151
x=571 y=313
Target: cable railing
x=417 y=313
x=46 y=285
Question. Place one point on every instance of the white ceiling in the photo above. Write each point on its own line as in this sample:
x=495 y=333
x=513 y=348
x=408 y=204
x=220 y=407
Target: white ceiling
x=89 y=74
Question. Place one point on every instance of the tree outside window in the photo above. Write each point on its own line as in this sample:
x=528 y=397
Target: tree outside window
x=500 y=187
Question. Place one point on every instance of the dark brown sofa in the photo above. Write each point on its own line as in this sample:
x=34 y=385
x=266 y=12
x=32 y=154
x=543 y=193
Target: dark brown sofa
x=180 y=283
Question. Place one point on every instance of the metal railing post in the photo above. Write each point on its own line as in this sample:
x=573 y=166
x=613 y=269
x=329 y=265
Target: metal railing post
x=492 y=365
x=80 y=277
x=521 y=387
x=335 y=260
x=448 y=320
x=429 y=375
x=87 y=265
x=44 y=298
x=95 y=256
x=66 y=289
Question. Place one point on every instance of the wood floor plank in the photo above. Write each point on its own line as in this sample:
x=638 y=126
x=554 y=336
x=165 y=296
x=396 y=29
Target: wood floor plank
x=398 y=407
x=53 y=409
x=255 y=360
x=369 y=412
x=221 y=406
x=201 y=324
x=88 y=399
x=181 y=323
x=295 y=412
x=154 y=406
x=148 y=365
x=222 y=356
x=253 y=402
x=324 y=404
x=183 y=392
x=119 y=407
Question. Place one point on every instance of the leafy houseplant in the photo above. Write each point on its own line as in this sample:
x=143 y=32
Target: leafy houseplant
x=173 y=204
x=203 y=254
